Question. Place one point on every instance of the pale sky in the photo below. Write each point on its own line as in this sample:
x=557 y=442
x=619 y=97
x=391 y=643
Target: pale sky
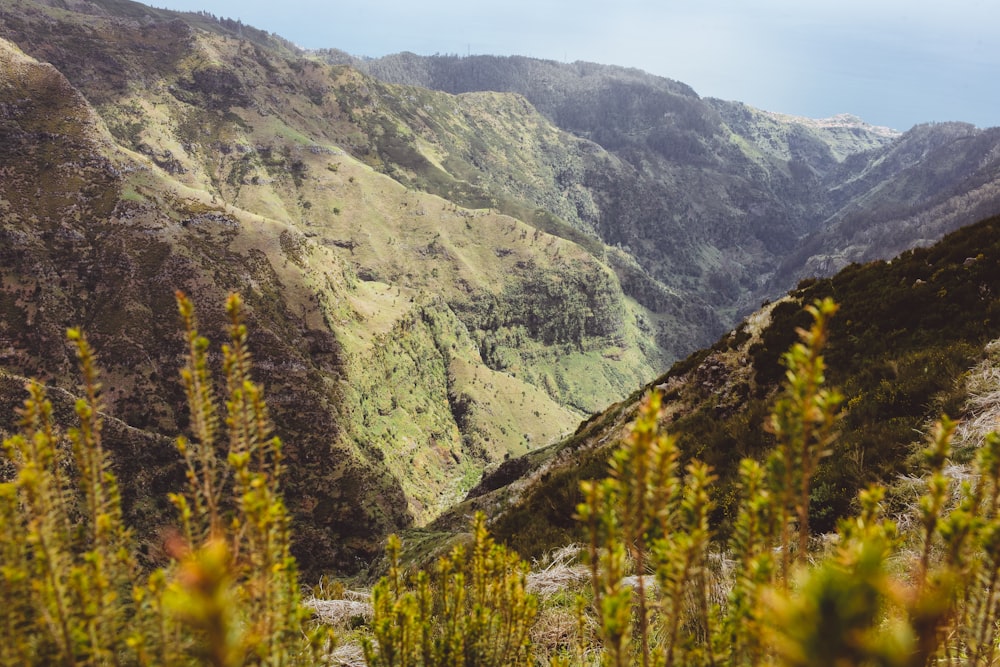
x=891 y=62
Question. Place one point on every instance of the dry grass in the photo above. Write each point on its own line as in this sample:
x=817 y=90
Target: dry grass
x=340 y=613
x=561 y=572
x=347 y=655
x=345 y=615
x=556 y=630
x=983 y=404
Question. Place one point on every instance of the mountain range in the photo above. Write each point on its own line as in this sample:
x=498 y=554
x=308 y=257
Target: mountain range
x=447 y=262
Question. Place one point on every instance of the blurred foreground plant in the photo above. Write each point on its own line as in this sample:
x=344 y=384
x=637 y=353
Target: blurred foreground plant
x=661 y=592
x=70 y=589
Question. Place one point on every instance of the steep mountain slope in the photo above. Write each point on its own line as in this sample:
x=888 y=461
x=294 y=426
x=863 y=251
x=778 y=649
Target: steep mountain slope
x=727 y=202
x=899 y=349
x=97 y=237
x=406 y=340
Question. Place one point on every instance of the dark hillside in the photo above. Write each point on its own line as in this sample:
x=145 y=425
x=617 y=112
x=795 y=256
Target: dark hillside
x=905 y=334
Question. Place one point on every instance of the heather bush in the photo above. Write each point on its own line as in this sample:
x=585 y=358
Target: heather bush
x=472 y=610
x=866 y=595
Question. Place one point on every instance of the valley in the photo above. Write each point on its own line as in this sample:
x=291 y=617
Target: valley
x=447 y=263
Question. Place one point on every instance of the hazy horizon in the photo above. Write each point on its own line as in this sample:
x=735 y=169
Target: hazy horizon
x=892 y=63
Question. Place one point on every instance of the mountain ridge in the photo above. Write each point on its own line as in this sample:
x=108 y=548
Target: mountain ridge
x=768 y=157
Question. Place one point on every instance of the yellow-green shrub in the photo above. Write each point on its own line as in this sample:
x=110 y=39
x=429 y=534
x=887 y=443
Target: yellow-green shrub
x=70 y=588
x=871 y=599
x=472 y=611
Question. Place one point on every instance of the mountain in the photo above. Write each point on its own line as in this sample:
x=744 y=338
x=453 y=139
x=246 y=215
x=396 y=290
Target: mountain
x=407 y=341
x=900 y=350
x=437 y=280
x=727 y=202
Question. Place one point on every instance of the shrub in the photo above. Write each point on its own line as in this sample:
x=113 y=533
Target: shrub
x=872 y=599
x=70 y=587
x=474 y=610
